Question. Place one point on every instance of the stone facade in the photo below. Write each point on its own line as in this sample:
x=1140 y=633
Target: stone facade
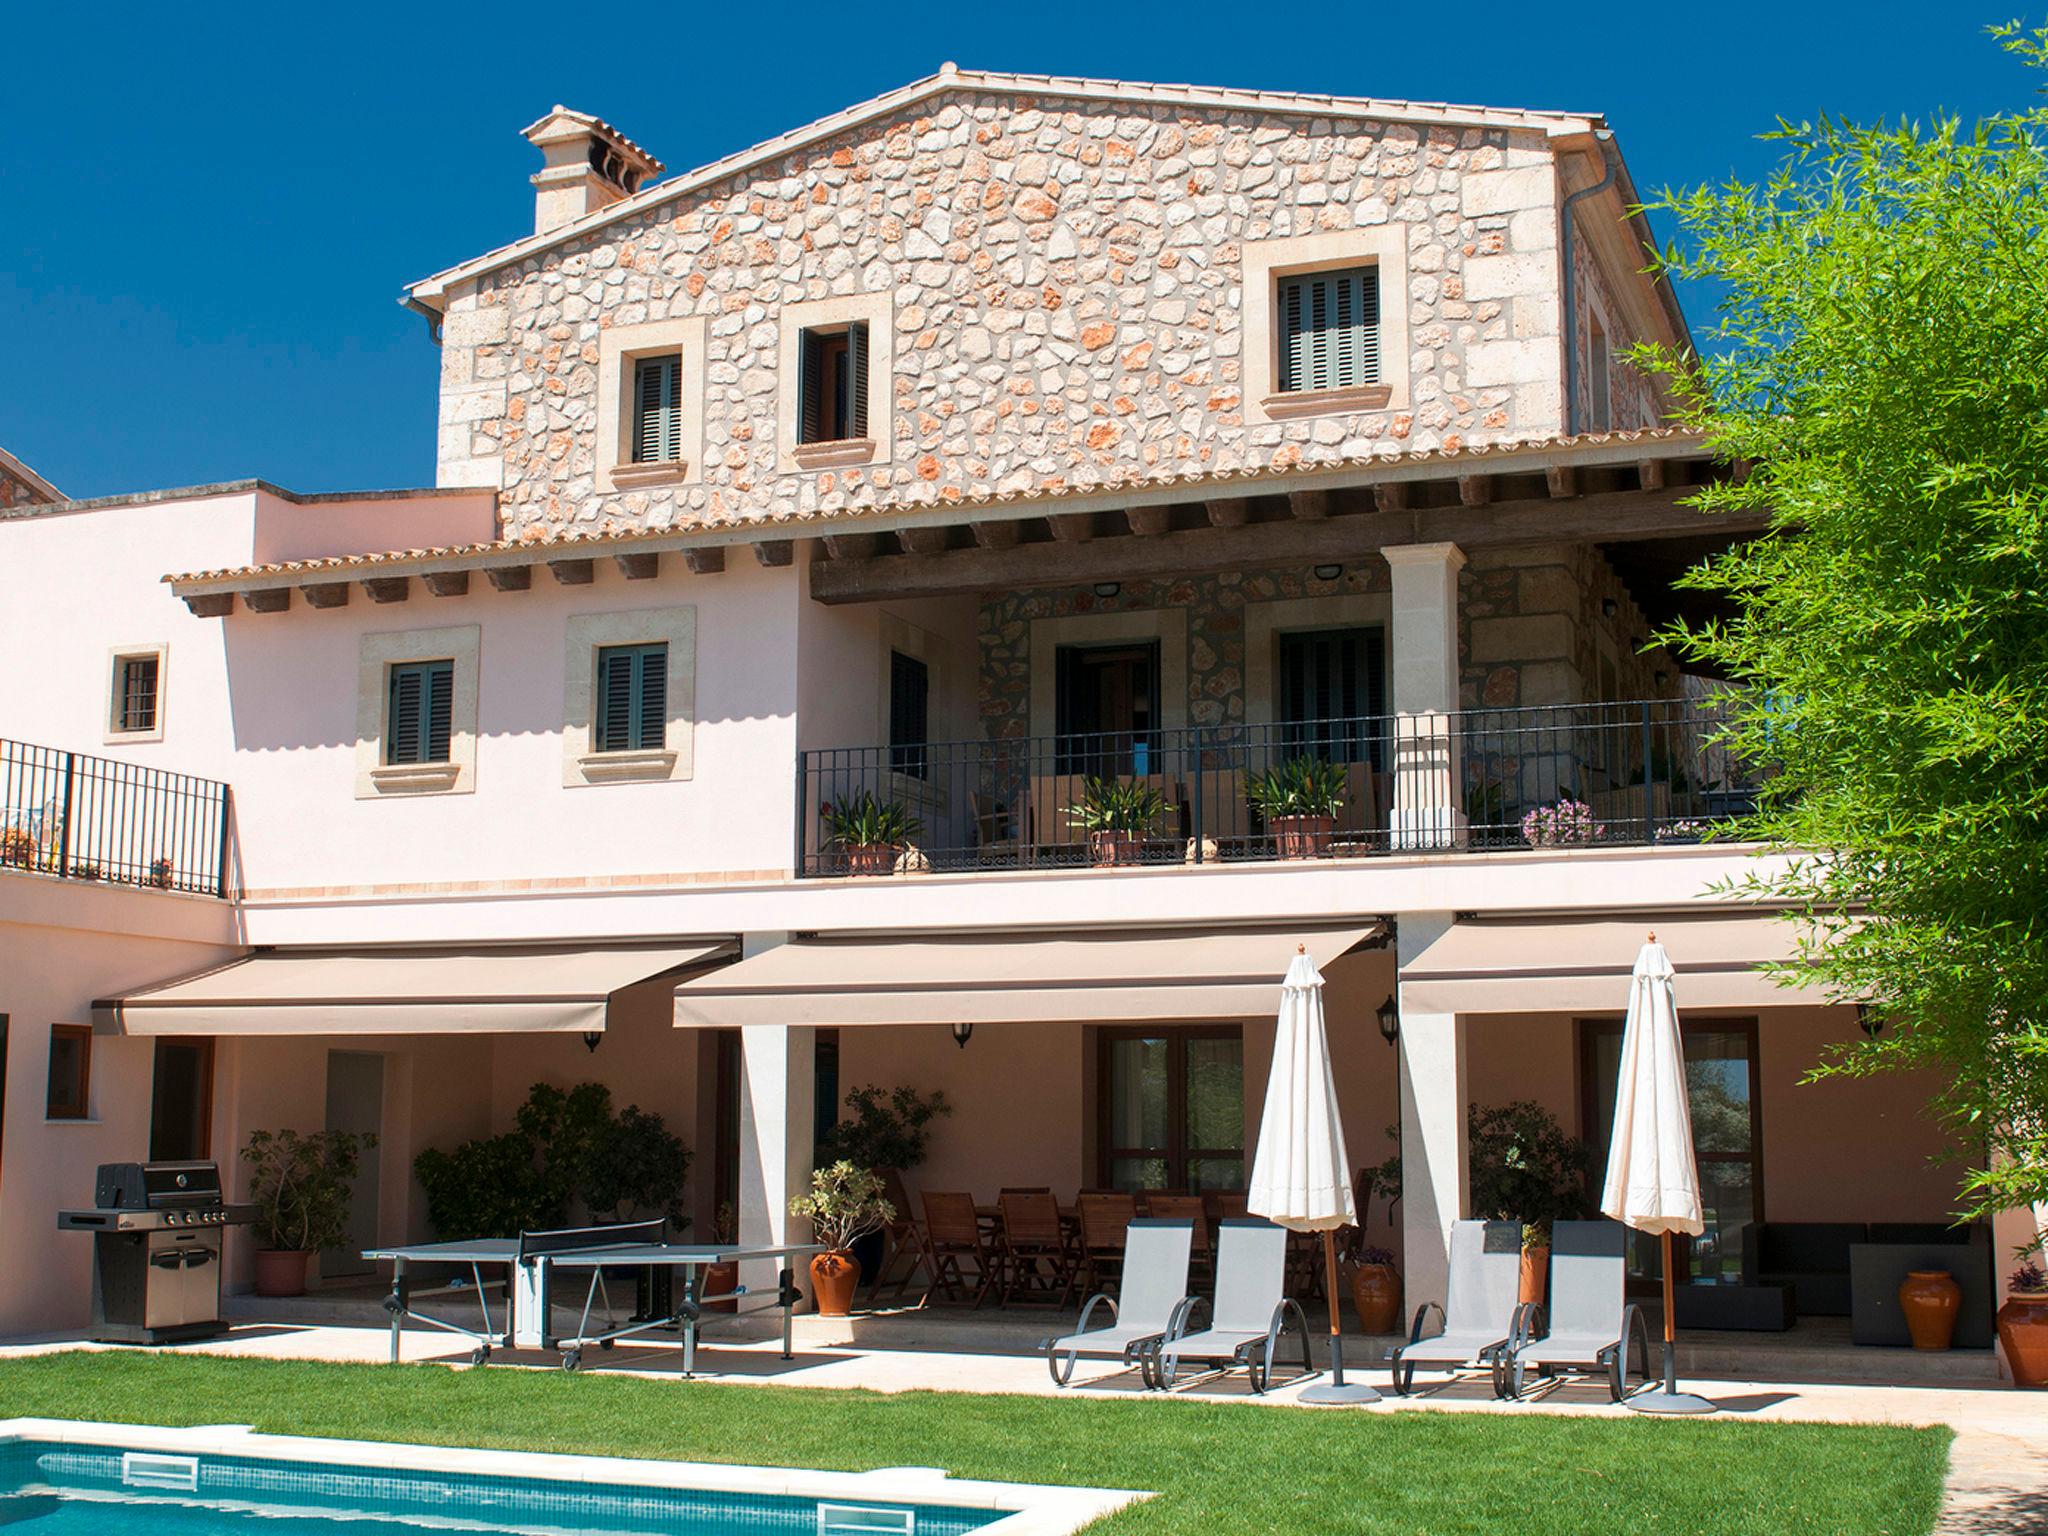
x=1064 y=301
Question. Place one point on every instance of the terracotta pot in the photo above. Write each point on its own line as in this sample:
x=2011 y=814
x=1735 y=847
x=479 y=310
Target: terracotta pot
x=870 y=858
x=1303 y=837
x=1929 y=1298
x=719 y=1279
x=1109 y=849
x=1535 y=1274
x=2023 y=1330
x=1376 y=1293
x=281 y=1272
x=834 y=1277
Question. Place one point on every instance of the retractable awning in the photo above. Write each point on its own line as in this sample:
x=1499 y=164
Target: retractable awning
x=1577 y=965
x=1017 y=977
x=404 y=990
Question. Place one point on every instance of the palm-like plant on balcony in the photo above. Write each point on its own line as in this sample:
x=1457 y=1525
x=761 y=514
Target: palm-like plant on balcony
x=869 y=831
x=1118 y=815
x=1299 y=799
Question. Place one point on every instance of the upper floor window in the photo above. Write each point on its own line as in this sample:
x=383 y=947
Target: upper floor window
x=421 y=712
x=1333 y=694
x=135 y=702
x=1329 y=330
x=1599 y=383
x=910 y=690
x=833 y=390
x=658 y=409
x=632 y=698
x=69 y=1093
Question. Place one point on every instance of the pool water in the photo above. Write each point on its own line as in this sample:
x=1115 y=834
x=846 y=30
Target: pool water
x=51 y=1489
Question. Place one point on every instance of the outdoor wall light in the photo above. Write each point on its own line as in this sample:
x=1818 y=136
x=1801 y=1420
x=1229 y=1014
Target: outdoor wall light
x=962 y=1033
x=1107 y=589
x=592 y=1039
x=1389 y=1015
x=1869 y=1020
x=1663 y=677
x=1609 y=607
x=1328 y=572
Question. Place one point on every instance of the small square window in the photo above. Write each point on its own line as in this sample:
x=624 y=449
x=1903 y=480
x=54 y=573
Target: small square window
x=70 y=1090
x=135 y=703
x=658 y=409
x=421 y=712
x=632 y=698
x=1329 y=329
x=833 y=393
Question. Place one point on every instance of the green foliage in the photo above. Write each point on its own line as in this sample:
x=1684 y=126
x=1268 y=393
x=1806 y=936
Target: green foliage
x=845 y=1204
x=885 y=1130
x=1882 y=366
x=1523 y=1167
x=569 y=1156
x=864 y=821
x=1130 y=806
x=301 y=1186
x=1299 y=786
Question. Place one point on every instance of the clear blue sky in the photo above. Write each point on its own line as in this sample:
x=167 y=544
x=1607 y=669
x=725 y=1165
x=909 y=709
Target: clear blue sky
x=208 y=211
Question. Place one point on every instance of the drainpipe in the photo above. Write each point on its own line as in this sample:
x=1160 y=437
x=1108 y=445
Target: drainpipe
x=1605 y=139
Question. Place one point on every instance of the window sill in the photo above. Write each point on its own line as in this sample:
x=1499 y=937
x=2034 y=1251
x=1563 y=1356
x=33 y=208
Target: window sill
x=132 y=738
x=634 y=477
x=415 y=778
x=1327 y=402
x=627 y=767
x=834 y=455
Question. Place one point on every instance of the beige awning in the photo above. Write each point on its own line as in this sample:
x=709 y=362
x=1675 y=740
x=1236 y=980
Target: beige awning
x=404 y=990
x=1582 y=965
x=1018 y=977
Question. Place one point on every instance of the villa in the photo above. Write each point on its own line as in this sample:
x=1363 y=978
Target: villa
x=1044 y=469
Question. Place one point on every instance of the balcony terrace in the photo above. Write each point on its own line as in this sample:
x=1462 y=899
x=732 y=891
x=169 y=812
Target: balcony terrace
x=79 y=817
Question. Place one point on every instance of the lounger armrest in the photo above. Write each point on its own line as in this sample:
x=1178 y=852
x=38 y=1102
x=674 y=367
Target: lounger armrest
x=1527 y=1326
x=1187 y=1318
x=1415 y=1333
x=1099 y=1299
x=1634 y=1322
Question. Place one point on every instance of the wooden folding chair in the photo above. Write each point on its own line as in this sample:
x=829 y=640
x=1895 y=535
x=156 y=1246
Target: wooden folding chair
x=903 y=1243
x=1193 y=1208
x=1038 y=1259
x=1105 y=1218
x=952 y=1239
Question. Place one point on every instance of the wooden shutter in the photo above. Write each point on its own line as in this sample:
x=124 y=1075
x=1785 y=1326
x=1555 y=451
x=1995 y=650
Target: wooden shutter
x=402 y=732
x=422 y=712
x=1330 y=329
x=651 y=711
x=810 y=389
x=440 y=694
x=657 y=410
x=632 y=698
x=856 y=424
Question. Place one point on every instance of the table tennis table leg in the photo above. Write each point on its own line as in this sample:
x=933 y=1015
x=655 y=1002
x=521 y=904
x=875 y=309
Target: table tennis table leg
x=788 y=1298
x=396 y=1305
x=689 y=1314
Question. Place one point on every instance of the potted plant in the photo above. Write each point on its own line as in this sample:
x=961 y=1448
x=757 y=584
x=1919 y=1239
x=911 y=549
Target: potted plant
x=1299 y=800
x=2023 y=1325
x=1568 y=821
x=161 y=871
x=1375 y=1287
x=844 y=1205
x=869 y=831
x=300 y=1186
x=723 y=1279
x=1525 y=1168
x=885 y=1133
x=1118 y=815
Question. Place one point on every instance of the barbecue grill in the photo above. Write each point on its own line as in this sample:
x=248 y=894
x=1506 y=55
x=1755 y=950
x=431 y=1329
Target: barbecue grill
x=156 y=1260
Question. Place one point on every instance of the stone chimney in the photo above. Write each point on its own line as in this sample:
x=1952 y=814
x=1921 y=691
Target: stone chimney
x=590 y=165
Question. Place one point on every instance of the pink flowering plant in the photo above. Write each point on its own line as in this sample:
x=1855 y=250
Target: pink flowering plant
x=1568 y=821
x=2028 y=1280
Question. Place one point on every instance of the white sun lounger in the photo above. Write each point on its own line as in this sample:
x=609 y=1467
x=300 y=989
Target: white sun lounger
x=1152 y=1298
x=1250 y=1312
x=1477 y=1317
x=1590 y=1317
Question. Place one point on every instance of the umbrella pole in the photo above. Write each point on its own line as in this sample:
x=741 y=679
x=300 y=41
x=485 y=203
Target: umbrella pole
x=1336 y=1390
x=1670 y=1400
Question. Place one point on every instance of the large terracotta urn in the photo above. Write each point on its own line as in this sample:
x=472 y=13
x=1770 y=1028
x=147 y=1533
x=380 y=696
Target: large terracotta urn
x=1930 y=1298
x=2023 y=1330
x=1535 y=1274
x=834 y=1278
x=1376 y=1293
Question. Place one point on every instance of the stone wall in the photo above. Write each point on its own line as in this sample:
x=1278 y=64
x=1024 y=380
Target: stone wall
x=1063 y=291
x=1533 y=631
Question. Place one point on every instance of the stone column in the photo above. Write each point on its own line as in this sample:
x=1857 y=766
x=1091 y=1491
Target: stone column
x=777 y=1088
x=1434 y=1186
x=1427 y=811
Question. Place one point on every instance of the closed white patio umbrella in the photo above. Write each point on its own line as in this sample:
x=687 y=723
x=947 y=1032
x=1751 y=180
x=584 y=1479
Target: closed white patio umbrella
x=1653 y=1182
x=1299 y=1168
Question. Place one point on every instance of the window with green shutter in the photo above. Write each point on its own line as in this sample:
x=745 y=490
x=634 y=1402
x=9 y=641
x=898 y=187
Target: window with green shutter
x=421 y=712
x=1330 y=329
x=632 y=698
x=657 y=409
x=833 y=390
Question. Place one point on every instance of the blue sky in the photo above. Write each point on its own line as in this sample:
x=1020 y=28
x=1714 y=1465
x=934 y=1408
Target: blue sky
x=207 y=212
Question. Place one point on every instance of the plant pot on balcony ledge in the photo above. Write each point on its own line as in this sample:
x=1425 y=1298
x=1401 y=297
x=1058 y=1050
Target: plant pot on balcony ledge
x=1303 y=837
x=870 y=858
x=1111 y=849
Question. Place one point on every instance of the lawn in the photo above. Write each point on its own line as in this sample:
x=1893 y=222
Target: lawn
x=1223 y=1467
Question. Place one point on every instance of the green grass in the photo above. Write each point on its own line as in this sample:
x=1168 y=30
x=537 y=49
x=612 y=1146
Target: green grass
x=1229 y=1467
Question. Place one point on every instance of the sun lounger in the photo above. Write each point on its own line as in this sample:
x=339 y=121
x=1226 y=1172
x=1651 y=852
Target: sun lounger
x=1151 y=1299
x=1477 y=1317
x=1250 y=1312
x=1590 y=1319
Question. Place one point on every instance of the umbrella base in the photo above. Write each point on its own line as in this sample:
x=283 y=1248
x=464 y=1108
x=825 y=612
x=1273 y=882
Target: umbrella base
x=1669 y=1402
x=1354 y=1392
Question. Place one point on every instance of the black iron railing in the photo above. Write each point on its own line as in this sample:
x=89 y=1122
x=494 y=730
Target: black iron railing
x=96 y=818
x=1626 y=773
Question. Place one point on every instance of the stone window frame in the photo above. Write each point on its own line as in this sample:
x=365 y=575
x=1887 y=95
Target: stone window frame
x=112 y=734
x=1265 y=622
x=584 y=635
x=931 y=795
x=879 y=311
x=1168 y=626
x=458 y=644
x=619 y=350
x=1383 y=247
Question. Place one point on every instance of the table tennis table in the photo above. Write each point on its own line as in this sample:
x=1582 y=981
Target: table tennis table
x=532 y=1261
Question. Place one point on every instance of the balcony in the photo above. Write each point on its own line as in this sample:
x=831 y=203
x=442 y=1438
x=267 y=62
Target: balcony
x=80 y=817
x=1613 y=774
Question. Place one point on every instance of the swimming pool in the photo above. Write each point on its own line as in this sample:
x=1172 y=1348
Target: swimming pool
x=66 y=1479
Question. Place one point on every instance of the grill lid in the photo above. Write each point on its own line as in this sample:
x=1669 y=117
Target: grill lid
x=156 y=1186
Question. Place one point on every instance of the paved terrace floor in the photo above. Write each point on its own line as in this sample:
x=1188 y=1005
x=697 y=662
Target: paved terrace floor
x=1998 y=1475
